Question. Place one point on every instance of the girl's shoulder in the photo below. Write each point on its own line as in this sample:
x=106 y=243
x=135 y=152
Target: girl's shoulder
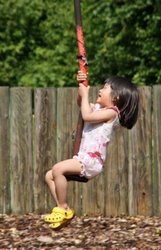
x=115 y=122
x=115 y=108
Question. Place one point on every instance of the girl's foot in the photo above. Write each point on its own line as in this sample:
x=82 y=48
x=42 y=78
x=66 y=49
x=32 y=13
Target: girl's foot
x=59 y=215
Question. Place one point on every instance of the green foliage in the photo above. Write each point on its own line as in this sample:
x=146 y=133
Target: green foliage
x=37 y=37
x=38 y=43
x=125 y=40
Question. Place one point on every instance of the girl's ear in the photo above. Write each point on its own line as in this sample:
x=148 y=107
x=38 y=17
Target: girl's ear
x=115 y=99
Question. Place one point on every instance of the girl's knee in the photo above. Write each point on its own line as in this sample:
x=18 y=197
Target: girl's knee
x=48 y=176
x=56 y=170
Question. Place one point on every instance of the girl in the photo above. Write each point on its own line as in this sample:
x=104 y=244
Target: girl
x=117 y=104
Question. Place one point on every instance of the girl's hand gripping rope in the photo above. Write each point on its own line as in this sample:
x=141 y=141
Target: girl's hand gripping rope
x=81 y=77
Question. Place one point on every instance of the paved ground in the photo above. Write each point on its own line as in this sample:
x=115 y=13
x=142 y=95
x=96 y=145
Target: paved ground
x=118 y=233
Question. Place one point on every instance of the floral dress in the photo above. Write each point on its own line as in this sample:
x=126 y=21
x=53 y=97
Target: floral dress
x=94 y=142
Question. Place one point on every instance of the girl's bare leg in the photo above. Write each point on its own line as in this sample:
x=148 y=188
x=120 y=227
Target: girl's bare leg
x=50 y=181
x=59 y=170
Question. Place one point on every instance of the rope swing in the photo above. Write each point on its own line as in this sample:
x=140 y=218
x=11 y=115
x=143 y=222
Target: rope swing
x=83 y=67
x=82 y=59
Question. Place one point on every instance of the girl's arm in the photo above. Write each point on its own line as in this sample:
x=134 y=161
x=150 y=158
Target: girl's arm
x=79 y=100
x=81 y=77
x=104 y=115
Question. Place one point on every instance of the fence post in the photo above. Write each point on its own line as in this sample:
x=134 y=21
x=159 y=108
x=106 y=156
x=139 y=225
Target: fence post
x=21 y=168
x=44 y=138
x=140 y=158
x=156 y=170
x=4 y=151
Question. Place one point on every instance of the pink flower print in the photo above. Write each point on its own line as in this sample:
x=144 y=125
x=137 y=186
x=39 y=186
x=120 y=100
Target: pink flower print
x=96 y=154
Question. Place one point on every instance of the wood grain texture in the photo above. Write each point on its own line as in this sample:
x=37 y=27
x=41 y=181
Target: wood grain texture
x=156 y=153
x=35 y=137
x=140 y=158
x=21 y=167
x=45 y=127
x=4 y=151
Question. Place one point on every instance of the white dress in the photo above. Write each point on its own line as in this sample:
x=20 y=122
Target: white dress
x=94 y=142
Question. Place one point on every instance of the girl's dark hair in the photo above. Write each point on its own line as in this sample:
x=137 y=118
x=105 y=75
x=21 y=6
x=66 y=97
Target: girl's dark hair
x=125 y=96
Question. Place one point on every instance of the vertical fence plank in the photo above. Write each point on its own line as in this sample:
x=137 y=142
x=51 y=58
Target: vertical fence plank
x=63 y=113
x=140 y=148
x=116 y=175
x=44 y=145
x=21 y=150
x=4 y=151
x=156 y=171
x=65 y=128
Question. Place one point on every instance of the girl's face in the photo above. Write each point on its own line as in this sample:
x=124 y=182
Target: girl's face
x=104 y=96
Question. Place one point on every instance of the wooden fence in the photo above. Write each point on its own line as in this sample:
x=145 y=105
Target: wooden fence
x=37 y=129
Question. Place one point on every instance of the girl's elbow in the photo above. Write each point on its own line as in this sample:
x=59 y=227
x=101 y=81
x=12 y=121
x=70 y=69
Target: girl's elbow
x=86 y=115
x=86 y=118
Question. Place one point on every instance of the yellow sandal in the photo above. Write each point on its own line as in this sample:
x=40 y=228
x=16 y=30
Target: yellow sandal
x=59 y=215
x=62 y=218
x=61 y=224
